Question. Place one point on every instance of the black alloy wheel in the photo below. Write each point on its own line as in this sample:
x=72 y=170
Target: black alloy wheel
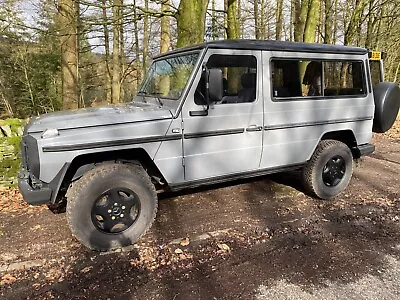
x=334 y=170
x=115 y=210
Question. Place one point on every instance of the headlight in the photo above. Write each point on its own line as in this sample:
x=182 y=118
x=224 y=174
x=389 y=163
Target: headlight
x=49 y=133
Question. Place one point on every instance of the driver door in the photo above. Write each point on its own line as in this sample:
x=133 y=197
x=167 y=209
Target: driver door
x=228 y=140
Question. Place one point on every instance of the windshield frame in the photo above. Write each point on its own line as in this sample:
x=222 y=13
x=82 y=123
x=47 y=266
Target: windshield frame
x=174 y=104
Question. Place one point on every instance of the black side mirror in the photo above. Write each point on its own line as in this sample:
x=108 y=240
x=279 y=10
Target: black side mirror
x=215 y=85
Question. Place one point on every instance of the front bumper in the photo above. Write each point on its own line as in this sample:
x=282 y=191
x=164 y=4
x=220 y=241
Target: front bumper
x=33 y=196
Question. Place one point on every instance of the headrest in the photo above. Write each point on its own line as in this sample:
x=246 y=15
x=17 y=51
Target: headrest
x=248 y=80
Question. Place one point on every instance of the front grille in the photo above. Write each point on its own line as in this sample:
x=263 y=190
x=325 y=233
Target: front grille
x=24 y=163
x=31 y=154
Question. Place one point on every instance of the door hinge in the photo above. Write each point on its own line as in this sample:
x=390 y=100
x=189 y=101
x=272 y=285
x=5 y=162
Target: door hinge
x=183 y=161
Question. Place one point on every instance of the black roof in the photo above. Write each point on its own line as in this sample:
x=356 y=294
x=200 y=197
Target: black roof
x=273 y=46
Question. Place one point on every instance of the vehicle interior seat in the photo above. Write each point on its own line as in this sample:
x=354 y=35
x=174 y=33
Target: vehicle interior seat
x=248 y=93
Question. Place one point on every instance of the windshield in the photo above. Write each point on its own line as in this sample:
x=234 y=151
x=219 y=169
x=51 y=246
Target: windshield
x=168 y=77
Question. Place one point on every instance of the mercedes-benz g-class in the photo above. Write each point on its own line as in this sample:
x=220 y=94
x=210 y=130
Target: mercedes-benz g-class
x=205 y=114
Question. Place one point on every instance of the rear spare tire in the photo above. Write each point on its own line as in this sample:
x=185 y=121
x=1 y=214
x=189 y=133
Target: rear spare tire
x=329 y=170
x=387 y=102
x=111 y=206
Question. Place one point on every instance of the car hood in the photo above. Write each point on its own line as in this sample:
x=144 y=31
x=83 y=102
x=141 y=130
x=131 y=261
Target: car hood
x=99 y=116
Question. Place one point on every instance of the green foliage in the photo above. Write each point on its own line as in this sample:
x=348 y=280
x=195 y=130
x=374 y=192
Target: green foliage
x=10 y=159
x=29 y=79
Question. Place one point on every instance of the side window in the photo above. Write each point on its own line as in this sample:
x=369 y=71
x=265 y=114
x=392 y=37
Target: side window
x=240 y=78
x=313 y=78
x=296 y=78
x=343 y=78
x=375 y=71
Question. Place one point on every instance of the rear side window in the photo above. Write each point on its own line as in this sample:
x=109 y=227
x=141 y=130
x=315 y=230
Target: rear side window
x=343 y=78
x=293 y=78
x=375 y=71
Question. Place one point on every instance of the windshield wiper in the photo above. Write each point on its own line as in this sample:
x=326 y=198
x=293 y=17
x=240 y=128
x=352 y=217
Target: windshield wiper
x=159 y=100
x=154 y=95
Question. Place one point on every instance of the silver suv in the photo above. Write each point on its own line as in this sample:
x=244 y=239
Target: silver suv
x=205 y=114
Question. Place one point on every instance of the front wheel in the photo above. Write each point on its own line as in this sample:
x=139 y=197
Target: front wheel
x=111 y=206
x=329 y=170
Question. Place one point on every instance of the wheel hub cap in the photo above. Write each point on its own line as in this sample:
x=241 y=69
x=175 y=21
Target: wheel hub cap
x=116 y=211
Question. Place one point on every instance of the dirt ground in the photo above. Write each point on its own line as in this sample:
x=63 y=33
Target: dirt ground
x=255 y=239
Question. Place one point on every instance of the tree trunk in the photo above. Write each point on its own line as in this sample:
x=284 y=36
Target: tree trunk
x=368 y=39
x=257 y=20
x=146 y=37
x=137 y=48
x=300 y=16
x=239 y=21
x=24 y=64
x=165 y=43
x=213 y=21
x=69 y=53
x=352 y=27
x=279 y=20
x=107 y=51
x=328 y=28
x=232 y=24
x=307 y=17
x=6 y=103
x=191 y=18
x=122 y=53
x=262 y=22
x=165 y=28
x=311 y=21
x=292 y=19
x=335 y=26
x=116 y=55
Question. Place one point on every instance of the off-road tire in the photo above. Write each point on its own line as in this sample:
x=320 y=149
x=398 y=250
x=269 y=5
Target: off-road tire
x=313 y=170
x=84 y=193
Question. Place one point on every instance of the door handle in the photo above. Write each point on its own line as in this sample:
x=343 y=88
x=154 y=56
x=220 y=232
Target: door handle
x=254 y=128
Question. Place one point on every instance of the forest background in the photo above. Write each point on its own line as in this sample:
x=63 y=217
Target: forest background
x=67 y=54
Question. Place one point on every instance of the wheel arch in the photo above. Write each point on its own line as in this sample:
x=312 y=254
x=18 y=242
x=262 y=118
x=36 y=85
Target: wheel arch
x=345 y=136
x=85 y=162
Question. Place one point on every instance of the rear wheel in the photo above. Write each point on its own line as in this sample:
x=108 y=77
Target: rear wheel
x=329 y=170
x=111 y=206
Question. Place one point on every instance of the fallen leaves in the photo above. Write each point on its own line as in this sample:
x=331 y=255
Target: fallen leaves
x=178 y=251
x=223 y=247
x=36 y=227
x=152 y=258
x=86 y=269
x=185 y=242
x=11 y=201
x=7 y=279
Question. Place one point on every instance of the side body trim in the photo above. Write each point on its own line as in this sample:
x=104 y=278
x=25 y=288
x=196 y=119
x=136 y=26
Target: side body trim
x=124 y=142
x=317 y=123
x=213 y=133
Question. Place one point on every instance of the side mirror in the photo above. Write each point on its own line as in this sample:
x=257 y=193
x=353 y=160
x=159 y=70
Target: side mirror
x=215 y=85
